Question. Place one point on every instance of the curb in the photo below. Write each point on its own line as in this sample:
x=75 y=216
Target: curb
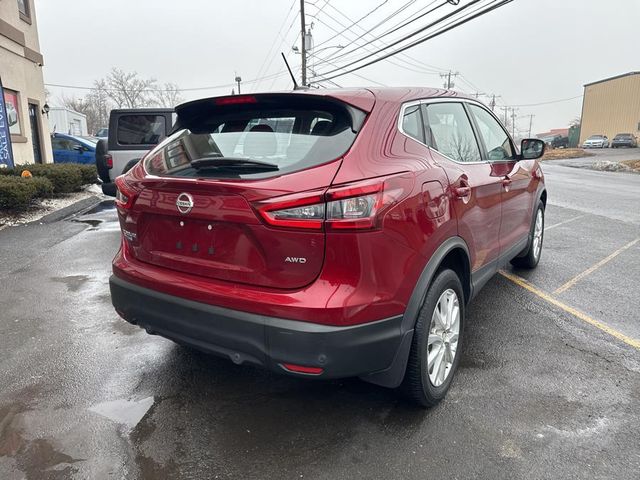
x=69 y=210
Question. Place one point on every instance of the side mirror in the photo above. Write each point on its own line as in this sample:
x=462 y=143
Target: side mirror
x=531 y=149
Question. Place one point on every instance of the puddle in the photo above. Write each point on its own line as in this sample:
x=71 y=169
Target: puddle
x=73 y=282
x=124 y=412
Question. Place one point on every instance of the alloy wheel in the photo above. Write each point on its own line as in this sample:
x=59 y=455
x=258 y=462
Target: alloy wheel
x=537 y=234
x=444 y=332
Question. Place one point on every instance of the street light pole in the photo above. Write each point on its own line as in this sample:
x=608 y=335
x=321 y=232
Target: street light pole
x=303 y=50
x=238 y=80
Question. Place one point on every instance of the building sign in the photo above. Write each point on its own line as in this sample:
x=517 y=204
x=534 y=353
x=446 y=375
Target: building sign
x=8 y=119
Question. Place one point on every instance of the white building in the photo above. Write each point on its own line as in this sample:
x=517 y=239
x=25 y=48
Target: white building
x=65 y=120
x=21 y=71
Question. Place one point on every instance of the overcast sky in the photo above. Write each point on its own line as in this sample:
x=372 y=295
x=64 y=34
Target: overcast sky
x=528 y=52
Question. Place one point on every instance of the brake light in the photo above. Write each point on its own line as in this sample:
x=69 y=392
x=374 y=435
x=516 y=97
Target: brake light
x=108 y=160
x=236 y=100
x=348 y=207
x=305 y=210
x=125 y=194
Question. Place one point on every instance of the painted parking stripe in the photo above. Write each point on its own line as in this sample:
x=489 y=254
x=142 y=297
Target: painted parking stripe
x=593 y=268
x=576 y=313
x=566 y=221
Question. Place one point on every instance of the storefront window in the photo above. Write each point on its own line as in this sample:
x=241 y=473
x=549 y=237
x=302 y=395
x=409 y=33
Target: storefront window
x=13 y=111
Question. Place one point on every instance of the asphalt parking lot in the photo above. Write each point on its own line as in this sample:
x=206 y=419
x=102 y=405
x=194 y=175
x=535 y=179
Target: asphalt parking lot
x=549 y=383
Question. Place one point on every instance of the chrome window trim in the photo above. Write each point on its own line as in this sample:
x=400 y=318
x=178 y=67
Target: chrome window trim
x=443 y=100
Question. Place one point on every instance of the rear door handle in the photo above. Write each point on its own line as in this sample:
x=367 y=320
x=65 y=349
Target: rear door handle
x=462 y=192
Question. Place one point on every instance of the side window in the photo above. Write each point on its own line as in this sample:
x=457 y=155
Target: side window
x=140 y=129
x=58 y=144
x=412 y=122
x=451 y=132
x=495 y=139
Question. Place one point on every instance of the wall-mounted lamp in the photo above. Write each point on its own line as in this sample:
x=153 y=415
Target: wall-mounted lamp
x=45 y=110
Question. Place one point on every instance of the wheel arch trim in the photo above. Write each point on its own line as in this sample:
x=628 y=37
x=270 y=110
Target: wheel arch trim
x=392 y=377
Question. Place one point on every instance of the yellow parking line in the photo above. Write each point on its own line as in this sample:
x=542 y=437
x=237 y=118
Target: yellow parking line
x=582 y=316
x=592 y=269
x=562 y=223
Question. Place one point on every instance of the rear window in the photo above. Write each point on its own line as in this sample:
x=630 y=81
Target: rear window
x=140 y=129
x=287 y=137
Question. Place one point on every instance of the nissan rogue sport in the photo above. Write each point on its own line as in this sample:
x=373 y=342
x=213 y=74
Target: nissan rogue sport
x=327 y=234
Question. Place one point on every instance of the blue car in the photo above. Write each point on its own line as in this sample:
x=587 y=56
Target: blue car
x=70 y=149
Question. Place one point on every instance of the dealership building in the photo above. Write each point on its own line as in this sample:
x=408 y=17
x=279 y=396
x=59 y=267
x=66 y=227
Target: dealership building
x=611 y=106
x=21 y=74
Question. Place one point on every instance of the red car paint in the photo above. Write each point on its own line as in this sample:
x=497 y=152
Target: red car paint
x=349 y=276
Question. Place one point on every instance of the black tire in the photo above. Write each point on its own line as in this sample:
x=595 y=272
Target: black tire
x=417 y=385
x=529 y=258
x=130 y=164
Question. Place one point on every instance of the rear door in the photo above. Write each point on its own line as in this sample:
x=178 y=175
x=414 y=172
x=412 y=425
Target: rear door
x=262 y=151
x=475 y=188
x=518 y=189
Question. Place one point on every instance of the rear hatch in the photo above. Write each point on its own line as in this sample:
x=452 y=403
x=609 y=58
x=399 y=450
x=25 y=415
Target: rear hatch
x=198 y=195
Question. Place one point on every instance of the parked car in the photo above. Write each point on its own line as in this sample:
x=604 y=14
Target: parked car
x=348 y=244
x=596 y=141
x=624 y=140
x=71 y=149
x=102 y=133
x=556 y=141
x=132 y=133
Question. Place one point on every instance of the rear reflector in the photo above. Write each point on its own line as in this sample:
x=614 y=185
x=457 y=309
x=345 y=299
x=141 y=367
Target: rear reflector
x=236 y=100
x=302 y=369
x=108 y=160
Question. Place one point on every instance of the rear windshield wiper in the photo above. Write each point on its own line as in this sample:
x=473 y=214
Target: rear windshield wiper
x=232 y=163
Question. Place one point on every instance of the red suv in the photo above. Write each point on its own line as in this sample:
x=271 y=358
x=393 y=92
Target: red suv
x=327 y=234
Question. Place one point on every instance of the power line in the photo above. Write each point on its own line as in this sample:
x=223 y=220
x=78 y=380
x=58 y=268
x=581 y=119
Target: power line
x=406 y=37
x=270 y=55
x=192 y=89
x=446 y=28
x=549 y=102
x=404 y=58
x=405 y=65
x=393 y=29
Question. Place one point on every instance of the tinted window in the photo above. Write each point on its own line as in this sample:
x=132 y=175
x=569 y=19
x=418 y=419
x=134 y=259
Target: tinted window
x=412 y=122
x=60 y=144
x=290 y=138
x=495 y=139
x=140 y=129
x=451 y=132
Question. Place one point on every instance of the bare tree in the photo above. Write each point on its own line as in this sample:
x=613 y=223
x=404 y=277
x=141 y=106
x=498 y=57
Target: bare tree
x=168 y=96
x=128 y=90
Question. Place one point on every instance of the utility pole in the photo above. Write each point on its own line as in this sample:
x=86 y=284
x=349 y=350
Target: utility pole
x=505 y=110
x=513 y=123
x=303 y=50
x=448 y=84
x=238 y=80
x=492 y=104
x=530 y=123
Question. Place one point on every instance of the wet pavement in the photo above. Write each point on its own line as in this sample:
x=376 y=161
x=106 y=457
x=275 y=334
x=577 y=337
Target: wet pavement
x=539 y=394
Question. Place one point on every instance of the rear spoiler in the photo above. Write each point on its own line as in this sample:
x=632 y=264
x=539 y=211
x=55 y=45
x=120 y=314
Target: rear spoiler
x=192 y=112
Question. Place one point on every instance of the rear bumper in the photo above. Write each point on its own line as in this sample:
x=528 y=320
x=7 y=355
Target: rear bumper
x=261 y=340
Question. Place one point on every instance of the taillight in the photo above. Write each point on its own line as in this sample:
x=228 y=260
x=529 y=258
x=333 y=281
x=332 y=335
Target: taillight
x=108 y=161
x=346 y=207
x=125 y=194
